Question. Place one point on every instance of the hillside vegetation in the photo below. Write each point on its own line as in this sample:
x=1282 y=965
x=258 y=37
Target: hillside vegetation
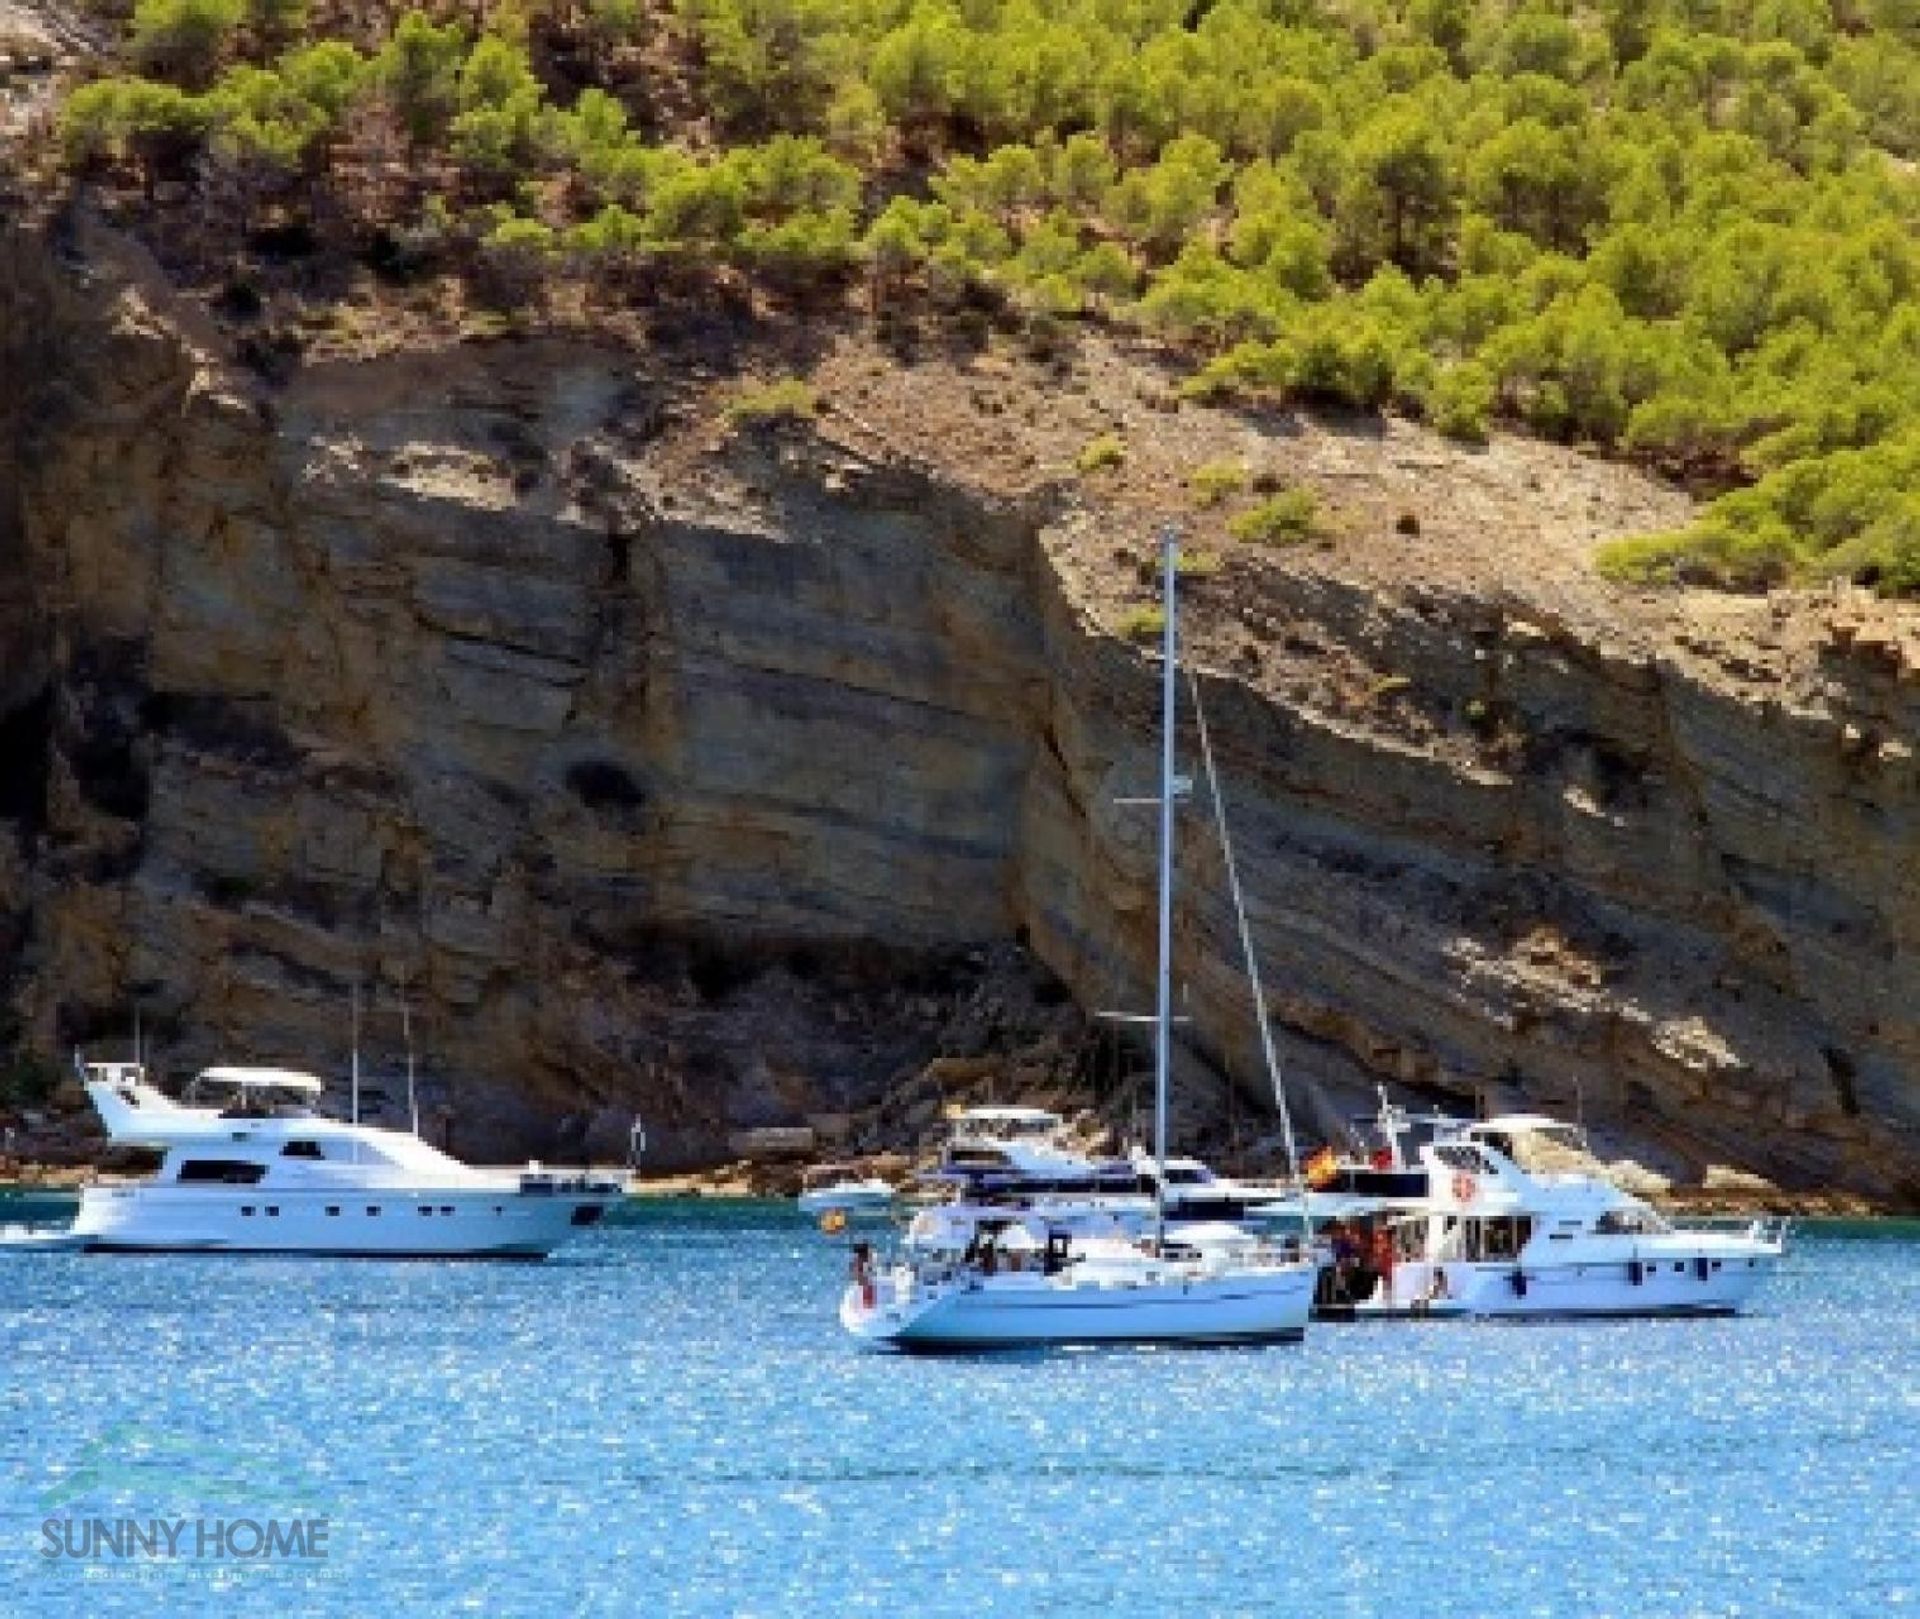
x=1680 y=230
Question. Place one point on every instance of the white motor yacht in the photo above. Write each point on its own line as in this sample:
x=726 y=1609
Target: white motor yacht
x=975 y=1275
x=1192 y=1191
x=1022 y=1156
x=1492 y=1238
x=250 y=1167
x=1020 y=1144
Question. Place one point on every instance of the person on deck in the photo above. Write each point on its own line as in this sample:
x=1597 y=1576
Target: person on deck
x=1383 y=1257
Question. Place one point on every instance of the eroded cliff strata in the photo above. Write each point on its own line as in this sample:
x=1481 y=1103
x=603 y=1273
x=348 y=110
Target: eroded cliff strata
x=727 y=775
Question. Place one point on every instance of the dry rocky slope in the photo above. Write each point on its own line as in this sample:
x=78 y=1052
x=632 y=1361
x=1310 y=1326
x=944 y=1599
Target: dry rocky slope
x=726 y=775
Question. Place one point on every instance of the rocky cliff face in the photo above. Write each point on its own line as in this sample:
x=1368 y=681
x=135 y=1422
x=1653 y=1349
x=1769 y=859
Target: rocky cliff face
x=725 y=775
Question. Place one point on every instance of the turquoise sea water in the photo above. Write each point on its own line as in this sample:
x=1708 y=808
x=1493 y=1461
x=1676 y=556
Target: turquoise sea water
x=667 y=1421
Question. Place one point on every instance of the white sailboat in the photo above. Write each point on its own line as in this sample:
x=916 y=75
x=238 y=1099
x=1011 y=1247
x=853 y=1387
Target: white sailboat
x=981 y=1276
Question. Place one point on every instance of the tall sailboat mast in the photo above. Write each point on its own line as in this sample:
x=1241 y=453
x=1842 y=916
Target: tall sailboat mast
x=1163 y=1006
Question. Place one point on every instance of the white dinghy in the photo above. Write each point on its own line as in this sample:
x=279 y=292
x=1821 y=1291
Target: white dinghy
x=842 y=1190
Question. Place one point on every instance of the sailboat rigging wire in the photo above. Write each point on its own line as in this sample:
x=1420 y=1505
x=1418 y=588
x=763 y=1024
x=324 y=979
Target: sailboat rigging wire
x=1274 y=1073
x=1163 y=1000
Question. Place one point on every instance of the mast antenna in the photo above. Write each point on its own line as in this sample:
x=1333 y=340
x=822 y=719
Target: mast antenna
x=406 y=1034
x=1163 y=1000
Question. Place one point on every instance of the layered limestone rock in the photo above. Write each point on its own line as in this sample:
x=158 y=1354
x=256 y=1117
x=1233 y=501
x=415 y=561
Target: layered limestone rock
x=718 y=775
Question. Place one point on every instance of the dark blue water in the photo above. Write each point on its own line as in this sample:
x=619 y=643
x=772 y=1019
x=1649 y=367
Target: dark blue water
x=669 y=1422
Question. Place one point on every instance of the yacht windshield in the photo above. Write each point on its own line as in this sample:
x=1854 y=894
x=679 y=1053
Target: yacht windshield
x=262 y=1102
x=1630 y=1222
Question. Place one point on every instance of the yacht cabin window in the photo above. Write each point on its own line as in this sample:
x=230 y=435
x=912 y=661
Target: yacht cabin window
x=1459 y=1156
x=1480 y=1240
x=302 y=1149
x=220 y=1171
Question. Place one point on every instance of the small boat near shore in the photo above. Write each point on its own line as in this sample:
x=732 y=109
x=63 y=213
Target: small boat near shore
x=842 y=1189
x=250 y=1167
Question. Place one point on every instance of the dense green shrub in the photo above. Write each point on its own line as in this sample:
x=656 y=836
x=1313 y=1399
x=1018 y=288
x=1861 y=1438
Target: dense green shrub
x=1680 y=230
x=1215 y=482
x=1286 y=518
x=785 y=399
x=183 y=39
x=1102 y=454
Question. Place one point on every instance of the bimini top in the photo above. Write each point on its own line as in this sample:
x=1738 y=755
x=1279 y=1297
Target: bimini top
x=1008 y=1115
x=1514 y=1124
x=277 y=1079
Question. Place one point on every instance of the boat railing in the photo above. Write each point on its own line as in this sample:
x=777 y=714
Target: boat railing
x=1768 y=1228
x=565 y=1182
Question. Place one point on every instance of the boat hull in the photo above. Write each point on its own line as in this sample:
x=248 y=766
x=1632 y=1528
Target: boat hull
x=1022 y=1313
x=1692 y=1286
x=360 y=1223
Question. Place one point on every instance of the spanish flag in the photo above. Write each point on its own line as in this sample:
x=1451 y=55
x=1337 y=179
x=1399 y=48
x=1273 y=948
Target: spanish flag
x=1322 y=1167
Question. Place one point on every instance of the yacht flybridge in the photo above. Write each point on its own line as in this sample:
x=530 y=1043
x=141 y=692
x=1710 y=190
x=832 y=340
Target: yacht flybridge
x=1023 y=1146
x=250 y=1167
x=981 y=1273
x=1020 y=1154
x=1466 y=1230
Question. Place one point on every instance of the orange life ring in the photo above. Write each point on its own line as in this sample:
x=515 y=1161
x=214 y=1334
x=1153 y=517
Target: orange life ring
x=1463 y=1187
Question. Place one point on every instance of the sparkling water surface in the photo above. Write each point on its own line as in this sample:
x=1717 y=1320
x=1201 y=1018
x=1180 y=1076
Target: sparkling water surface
x=667 y=1420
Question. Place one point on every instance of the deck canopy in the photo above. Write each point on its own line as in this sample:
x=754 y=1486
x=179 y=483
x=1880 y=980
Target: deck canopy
x=1020 y=1119
x=273 y=1079
x=1508 y=1124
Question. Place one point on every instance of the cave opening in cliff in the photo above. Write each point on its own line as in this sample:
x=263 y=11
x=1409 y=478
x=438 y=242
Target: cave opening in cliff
x=111 y=776
x=601 y=784
x=716 y=972
x=26 y=751
x=1842 y=1071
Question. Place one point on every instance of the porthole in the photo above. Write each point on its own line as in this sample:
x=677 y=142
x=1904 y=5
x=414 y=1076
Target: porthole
x=426 y=1208
x=445 y=1209
x=246 y=1208
x=373 y=1208
x=333 y=1208
x=273 y=1209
